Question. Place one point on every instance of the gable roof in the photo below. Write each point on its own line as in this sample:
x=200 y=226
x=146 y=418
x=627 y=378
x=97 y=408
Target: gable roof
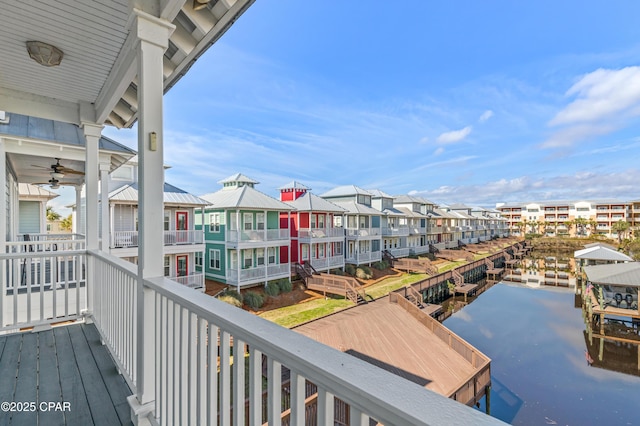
x=27 y=191
x=345 y=190
x=294 y=184
x=356 y=208
x=310 y=202
x=244 y=197
x=626 y=274
x=601 y=253
x=238 y=177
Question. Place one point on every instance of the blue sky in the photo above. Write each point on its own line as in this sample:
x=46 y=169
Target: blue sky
x=461 y=101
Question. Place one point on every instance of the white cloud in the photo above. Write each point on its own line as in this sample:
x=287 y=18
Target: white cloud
x=604 y=102
x=454 y=136
x=485 y=116
x=438 y=151
x=424 y=140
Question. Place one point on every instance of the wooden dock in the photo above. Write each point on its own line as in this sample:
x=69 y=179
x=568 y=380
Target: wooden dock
x=402 y=339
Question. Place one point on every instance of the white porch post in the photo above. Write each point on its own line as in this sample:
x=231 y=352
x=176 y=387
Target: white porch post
x=92 y=133
x=77 y=229
x=3 y=226
x=104 y=207
x=152 y=40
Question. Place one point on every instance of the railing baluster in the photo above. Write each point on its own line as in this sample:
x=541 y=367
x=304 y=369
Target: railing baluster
x=255 y=387
x=238 y=382
x=274 y=382
x=325 y=407
x=212 y=376
x=297 y=416
x=225 y=379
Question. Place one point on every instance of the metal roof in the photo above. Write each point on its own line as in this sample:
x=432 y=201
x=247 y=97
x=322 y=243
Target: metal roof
x=622 y=274
x=602 y=253
x=355 y=208
x=172 y=195
x=410 y=213
x=238 y=177
x=393 y=212
x=245 y=197
x=345 y=190
x=310 y=202
x=376 y=193
x=295 y=185
x=28 y=191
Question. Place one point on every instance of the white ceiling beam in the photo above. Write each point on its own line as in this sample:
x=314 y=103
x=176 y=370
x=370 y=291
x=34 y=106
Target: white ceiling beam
x=38 y=106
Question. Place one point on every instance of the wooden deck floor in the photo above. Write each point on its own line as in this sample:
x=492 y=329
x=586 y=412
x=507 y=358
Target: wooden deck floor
x=384 y=334
x=66 y=364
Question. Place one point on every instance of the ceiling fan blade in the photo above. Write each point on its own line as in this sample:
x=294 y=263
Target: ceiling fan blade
x=71 y=171
x=40 y=167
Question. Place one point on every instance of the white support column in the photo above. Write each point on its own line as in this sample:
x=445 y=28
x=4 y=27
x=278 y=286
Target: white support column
x=112 y=215
x=3 y=227
x=77 y=229
x=152 y=40
x=92 y=133
x=104 y=207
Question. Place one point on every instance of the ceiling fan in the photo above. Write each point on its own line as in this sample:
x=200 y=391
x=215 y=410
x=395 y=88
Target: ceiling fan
x=58 y=170
x=55 y=183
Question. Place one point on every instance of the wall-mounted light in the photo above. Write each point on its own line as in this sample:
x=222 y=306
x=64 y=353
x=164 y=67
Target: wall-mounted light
x=44 y=54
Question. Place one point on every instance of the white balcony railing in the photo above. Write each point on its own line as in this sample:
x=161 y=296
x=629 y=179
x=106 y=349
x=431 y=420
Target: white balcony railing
x=419 y=249
x=363 y=232
x=400 y=231
x=257 y=274
x=368 y=257
x=313 y=233
x=417 y=230
x=124 y=239
x=257 y=235
x=176 y=347
x=400 y=252
x=192 y=280
x=328 y=262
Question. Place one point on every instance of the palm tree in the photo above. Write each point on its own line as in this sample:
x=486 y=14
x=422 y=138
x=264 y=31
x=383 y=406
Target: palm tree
x=67 y=223
x=52 y=215
x=620 y=227
x=580 y=223
x=592 y=225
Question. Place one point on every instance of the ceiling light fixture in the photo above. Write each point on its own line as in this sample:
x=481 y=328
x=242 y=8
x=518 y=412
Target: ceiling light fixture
x=44 y=54
x=57 y=175
x=200 y=4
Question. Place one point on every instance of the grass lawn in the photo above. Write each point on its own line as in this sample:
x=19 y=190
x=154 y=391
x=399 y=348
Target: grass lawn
x=388 y=285
x=290 y=316
x=443 y=267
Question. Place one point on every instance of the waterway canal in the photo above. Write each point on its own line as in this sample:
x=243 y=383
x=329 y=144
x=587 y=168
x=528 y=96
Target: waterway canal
x=540 y=374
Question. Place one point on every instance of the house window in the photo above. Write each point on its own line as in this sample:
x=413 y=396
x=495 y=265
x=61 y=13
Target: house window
x=321 y=251
x=321 y=221
x=314 y=251
x=260 y=257
x=124 y=173
x=166 y=220
x=260 y=221
x=337 y=249
x=305 y=251
x=271 y=254
x=135 y=219
x=198 y=258
x=313 y=221
x=167 y=266
x=214 y=222
x=247 y=220
x=214 y=259
x=248 y=258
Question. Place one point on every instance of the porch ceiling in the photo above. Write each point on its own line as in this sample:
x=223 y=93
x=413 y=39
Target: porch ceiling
x=96 y=79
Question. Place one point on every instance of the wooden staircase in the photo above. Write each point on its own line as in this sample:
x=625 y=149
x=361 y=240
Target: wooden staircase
x=337 y=284
x=458 y=279
x=433 y=249
x=386 y=255
x=455 y=254
x=415 y=297
x=416 y=265
x=489 y=263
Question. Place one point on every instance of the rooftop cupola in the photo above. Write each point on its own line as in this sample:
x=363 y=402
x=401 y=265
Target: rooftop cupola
x=292 y=191
x=237 y=181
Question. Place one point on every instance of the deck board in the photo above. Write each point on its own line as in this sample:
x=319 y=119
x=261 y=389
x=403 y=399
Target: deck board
x=64 y=364
x=385 y=335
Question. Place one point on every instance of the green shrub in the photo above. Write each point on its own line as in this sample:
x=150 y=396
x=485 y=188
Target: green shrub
x=350 y=269
x=366 y=269
x=381 y=265
x=337 y=272
x=285 y=285
x=272 y=289
x=253 y=300
x=362 y=273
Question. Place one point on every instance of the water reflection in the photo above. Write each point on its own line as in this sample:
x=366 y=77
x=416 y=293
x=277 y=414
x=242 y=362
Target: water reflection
x=537 y=347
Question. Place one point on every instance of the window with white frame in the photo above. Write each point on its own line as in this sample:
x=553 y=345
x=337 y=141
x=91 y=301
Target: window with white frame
x=167 y=220
x=271 y=255
x=314 y=251
x=167 y=266
x=321 y=221
x=247 y=260
x=214 y=259
x=214 y=222
x=260 y=257
x=321 y=251
x=305 y=251
x=198 y=258
x=260 y=221
x=247 y=220
x=313 y=221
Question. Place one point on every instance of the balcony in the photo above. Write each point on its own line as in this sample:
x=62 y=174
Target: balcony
x=417 y=230
x=257 y=237
x=361 y=258
x=419 y=249
x=398 y=231
x=163 y=338
x=325 y=263
x=126 y=239
x=357 y=233
x=399 y=252
x=192 y=280
x=435 y=230
x=258 y=274
x=319 y=234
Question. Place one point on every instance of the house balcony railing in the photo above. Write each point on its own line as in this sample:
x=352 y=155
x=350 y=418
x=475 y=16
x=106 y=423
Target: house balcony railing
x=192 y=280
x=320 y=233
x=435 y=230
x=125 y=239
x=363 y=232
x=417 y=230
x=175 y=347
x=257 y=274
x=419 y=249
x=328 y=262
x=257 y=235
x=399 y=231
x=400 y=252
x=367 y=257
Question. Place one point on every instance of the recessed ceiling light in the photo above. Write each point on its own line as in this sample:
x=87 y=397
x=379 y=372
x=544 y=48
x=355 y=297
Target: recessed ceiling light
x=44 y=54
